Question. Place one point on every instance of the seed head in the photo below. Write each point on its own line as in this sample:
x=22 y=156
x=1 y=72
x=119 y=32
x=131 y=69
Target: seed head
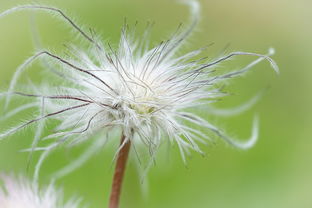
x=21 y=193
x=147 y=93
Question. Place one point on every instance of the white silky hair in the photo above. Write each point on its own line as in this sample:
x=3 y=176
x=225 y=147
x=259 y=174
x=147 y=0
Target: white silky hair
x=144 y=92
x=18 y=192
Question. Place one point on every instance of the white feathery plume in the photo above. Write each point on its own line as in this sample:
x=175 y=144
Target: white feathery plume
x=21 y=193
x=145 y=92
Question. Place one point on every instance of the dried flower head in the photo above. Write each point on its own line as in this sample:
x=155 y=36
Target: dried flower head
x=146 y=93
x=21 y=193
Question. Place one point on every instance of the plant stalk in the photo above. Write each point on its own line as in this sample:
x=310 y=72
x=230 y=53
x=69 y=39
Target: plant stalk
x=119 y=173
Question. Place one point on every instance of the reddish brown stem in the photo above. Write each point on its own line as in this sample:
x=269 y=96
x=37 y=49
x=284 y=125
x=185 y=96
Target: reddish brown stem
x=119 y=173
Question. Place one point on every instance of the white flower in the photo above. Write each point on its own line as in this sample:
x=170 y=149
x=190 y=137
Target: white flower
x=147 y=93
x=21 y=193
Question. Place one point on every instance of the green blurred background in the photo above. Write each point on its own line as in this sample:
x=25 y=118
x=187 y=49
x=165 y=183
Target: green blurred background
x=276 y=173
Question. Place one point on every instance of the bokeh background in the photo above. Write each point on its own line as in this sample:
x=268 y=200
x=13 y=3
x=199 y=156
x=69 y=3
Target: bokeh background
x=276 y=173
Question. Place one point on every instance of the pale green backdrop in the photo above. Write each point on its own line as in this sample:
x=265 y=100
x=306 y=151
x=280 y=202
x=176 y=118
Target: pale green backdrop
x=276 y=173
